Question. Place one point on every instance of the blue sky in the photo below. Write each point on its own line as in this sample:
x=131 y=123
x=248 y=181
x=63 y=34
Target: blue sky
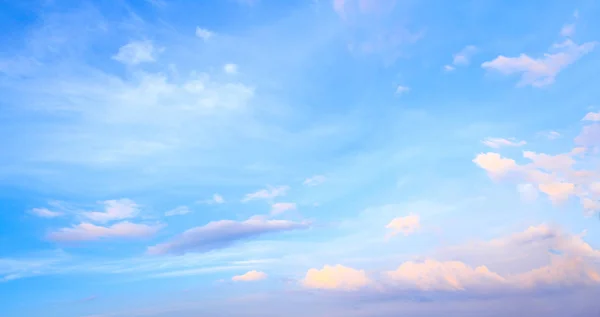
x=261 y=158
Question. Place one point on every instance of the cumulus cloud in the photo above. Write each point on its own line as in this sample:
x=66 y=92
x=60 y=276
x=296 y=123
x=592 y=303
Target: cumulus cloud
x=88 y=232
x=222 y=234
x=315 y=180
x=279 y=208
x=267 y=193
x=523 y=258
x=250 y=276
x=557 y=176
x=337 y=277
x=178 y=211
x=541 y=71
x=501 y=142
x=204 y=33
x=216 y=199
x=431 y=275
x=114 y=210
x=46 y=213
x=405 y=225
x=136 y=52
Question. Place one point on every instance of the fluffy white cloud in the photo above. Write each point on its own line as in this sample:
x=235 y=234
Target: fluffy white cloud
x=337 y=277
x=204 y=33
x=136 y=52
x=495 y=164
x=405 y=225
x=541 y=71
x=500 y=142
x=250 y=276
x=88 y=232
x=230 y=68
x=267 y=193
x=46 y=213
x=279 y=208
x=314 y=180
x=178 y=211
x=114 y=210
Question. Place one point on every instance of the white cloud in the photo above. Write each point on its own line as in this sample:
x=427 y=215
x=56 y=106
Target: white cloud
x=464 y=56
x=449 y=68
x=204 y=33
x=495 y=164
x=279 y=208
x=500 y=142
x=314 y=180
x=541 y=71
x=46 y=213
x=592 y=116
x=269 y=193
x=230 y=68
x=402 y=90
x=178 y=211
x=337 y=277
x=405 y=225
x=89 y=232
x=250 y=276
x=136 y=52
x=114 y=210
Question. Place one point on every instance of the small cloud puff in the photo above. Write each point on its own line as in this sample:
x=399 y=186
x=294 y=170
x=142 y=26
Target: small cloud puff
x=230 y=68
x=204 y=33
x=337 y=277
x=405 y=225
x=46 y=213
x=137 y=52
x=250 y=276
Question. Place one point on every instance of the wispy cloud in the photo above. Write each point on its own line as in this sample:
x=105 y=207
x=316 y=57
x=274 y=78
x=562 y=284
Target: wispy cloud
x=501 y=142
x=178 y=211
x=90 y=232
x=267 y=193
x=46 y=213
x=314 y=180
x=539 y=72
x=204 y=33
x=222 y=234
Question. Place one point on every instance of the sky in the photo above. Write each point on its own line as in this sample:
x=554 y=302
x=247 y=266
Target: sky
x=246 y=158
